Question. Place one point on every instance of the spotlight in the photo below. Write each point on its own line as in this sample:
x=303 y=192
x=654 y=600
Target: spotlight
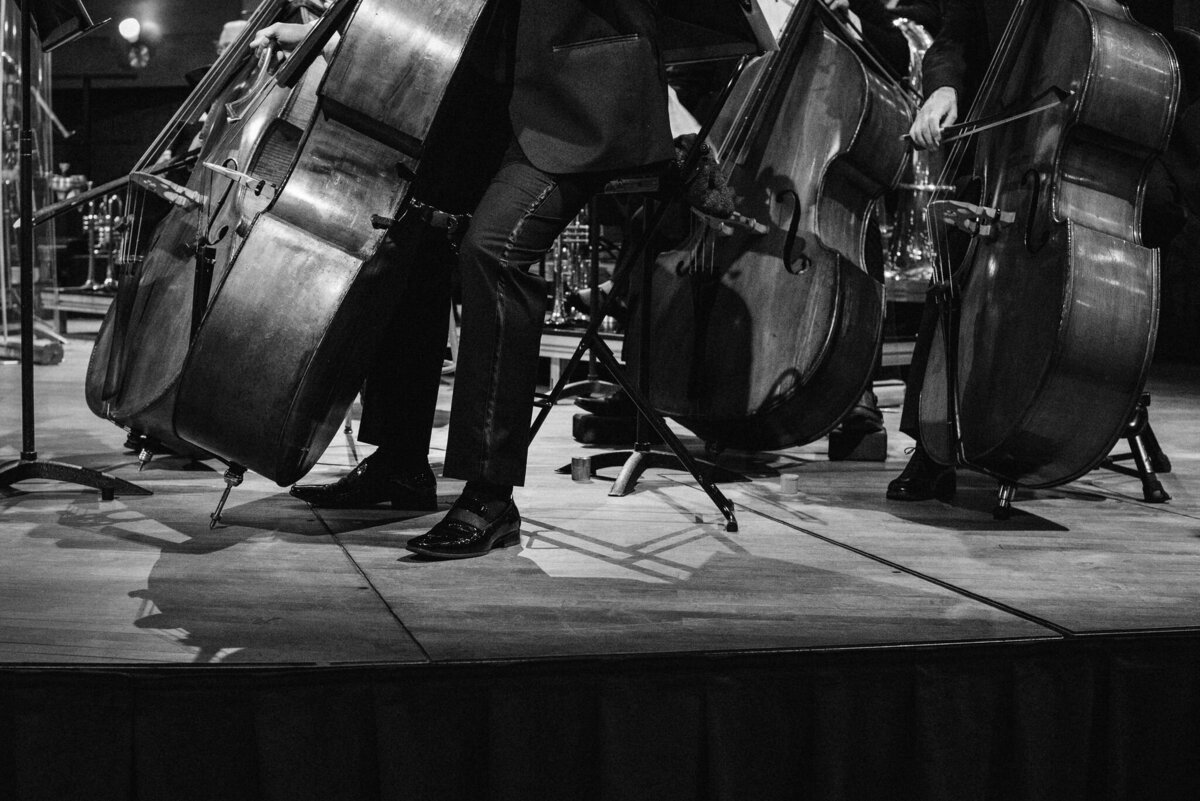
x=137 y=52
x=130 y=29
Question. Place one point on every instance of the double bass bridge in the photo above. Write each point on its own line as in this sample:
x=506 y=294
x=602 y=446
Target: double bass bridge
x=985 y=222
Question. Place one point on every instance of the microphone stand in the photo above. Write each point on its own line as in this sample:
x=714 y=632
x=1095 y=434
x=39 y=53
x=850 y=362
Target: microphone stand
x=28 y=465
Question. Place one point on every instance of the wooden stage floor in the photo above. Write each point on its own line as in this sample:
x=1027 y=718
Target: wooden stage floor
x=143 y=580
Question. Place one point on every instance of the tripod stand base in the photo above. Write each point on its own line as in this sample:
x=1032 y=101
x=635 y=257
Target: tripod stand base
x=1145 y=452
x=634 y=463
x=109 y=486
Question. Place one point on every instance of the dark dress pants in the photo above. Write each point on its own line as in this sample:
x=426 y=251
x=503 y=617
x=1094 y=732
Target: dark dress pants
x=910 y=415
x=400 y=395
x=522 y=211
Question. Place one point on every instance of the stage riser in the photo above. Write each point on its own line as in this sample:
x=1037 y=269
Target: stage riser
x=1100 y=719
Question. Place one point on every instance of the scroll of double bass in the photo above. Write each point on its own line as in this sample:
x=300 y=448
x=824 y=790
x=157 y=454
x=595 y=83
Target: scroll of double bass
x=765 y=336
x=1051 y=316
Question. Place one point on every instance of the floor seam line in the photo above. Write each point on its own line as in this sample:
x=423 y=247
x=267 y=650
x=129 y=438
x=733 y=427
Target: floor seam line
x=917 y=574
x=1029 y=617
x=354 y=562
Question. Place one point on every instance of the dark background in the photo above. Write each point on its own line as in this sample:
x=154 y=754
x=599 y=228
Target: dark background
x=116 y=111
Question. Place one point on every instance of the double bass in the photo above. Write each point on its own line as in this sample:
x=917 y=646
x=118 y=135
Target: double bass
x=764 y=335
x=286 y=339
x=1049 y=319
x=172 y=253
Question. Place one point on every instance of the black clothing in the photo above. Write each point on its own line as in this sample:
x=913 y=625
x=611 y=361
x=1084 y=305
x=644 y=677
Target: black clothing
x=504 y=306
x=589 y=92
x=882 y=35
x=972 y=29
x=588 y=97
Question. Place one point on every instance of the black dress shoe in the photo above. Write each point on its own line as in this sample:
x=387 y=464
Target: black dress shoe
x=581 y=298
x=467 y=531
x=865 y=417
x=922 y=479
x=373 y=482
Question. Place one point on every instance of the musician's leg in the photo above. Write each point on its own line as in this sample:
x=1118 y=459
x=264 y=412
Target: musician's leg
x=504 y=306
x=922 y=478
x=910 y=414
x=865 y=417
x=400 y=396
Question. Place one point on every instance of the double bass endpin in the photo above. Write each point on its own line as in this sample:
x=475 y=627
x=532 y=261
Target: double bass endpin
x=1004 y=499
x=233 y=477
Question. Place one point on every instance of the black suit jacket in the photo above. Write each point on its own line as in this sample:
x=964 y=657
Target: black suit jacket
x=972 y=29
x=589 y=89
x=960 y=53
x=885 y=37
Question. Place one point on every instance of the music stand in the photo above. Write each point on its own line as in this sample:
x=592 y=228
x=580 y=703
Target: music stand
x=57 y=22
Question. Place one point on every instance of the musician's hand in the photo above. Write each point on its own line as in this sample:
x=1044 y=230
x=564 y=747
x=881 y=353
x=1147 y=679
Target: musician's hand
x=940 y=110
x=286 y=34
x=842 y=9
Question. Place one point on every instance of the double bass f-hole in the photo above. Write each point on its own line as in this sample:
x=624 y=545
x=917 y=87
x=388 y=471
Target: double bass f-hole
x=1033 y=244
x=795 y=263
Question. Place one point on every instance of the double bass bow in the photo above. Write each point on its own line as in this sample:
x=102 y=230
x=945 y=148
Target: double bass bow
x=765 y=334
x=1048 y=322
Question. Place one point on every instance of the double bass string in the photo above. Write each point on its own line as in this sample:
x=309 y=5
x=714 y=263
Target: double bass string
x=946 y=277
x=217 y=75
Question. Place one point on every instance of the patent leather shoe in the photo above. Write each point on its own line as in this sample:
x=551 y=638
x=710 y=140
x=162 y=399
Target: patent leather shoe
x=372 y=482
x=922 y=479
x=467 y=530
x=865 y=417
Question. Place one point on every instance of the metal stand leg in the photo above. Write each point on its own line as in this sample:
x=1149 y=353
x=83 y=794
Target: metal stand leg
x=634 y=463
x=591 y=342
x=592 y=386
x=1145 y=452
x=1159 y=462
x=28 y=465
x=109 y=485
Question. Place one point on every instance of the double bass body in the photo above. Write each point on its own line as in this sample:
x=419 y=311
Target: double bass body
x=765 y=340
x=285 y=343
x=143 y=343
x=1058 y=311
